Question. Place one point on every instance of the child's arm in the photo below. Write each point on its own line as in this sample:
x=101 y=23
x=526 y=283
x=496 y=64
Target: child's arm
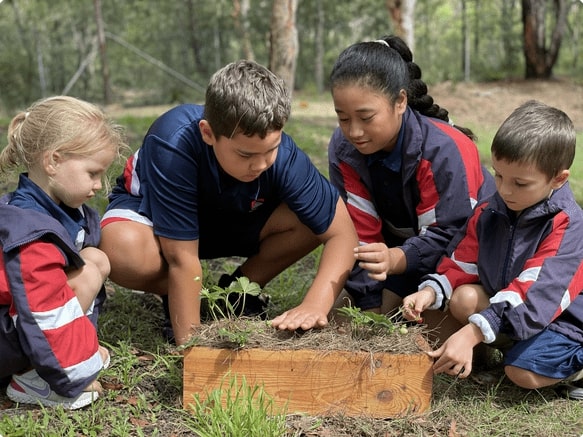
x=183 y=290
x=335 y=264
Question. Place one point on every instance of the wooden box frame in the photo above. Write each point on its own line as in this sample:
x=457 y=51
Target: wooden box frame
x=318 y=382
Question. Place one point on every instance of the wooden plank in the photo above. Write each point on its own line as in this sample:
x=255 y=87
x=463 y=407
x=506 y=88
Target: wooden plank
x=318 y=382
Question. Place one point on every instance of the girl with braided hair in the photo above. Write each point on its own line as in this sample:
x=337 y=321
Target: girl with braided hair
x=409 y=177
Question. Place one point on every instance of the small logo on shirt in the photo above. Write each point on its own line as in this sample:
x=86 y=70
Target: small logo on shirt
x=256 y=203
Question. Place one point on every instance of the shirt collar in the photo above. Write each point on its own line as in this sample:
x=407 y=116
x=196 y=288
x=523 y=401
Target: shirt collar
x=28 y=195
x=391 y=160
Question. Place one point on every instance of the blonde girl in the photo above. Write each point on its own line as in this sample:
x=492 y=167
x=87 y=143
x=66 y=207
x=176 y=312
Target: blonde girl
x=51 y=272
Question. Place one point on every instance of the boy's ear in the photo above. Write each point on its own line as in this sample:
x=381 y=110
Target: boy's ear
x=206 y=132
x=560 y=179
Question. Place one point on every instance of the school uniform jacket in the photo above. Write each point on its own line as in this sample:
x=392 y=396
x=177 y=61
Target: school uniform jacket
x=531 y=266
x=46 y=324
x=442 y=180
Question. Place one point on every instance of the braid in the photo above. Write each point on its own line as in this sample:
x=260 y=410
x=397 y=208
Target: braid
x=417 y=96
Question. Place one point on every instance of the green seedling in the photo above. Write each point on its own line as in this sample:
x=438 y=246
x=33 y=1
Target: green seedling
x=239 y=337
x=223 y=302
x=365 y=323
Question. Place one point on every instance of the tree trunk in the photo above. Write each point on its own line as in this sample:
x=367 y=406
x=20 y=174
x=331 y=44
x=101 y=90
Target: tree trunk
x=402 y=13
x=241 y=18
x=102 y=53
x=539 y=57
x=320 y=50
x=284 y=41
x=193 y=40
x=508 y=36
x=465 y=43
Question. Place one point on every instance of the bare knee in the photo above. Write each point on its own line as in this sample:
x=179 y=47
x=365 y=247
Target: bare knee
x=527 y=379
x=284 y=221
x=466 y=300
x=98 y=258
x=135 y=256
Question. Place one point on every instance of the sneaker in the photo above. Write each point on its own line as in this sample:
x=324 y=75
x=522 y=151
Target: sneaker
x=30 y=388
x=571 y=390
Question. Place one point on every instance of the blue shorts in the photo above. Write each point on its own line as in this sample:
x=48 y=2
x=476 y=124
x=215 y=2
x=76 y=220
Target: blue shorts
x=224 y=237
x=548 y=353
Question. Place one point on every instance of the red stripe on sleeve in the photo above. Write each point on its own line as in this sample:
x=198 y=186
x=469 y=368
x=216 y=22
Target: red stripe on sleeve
x=427 y=189
x=470 y=157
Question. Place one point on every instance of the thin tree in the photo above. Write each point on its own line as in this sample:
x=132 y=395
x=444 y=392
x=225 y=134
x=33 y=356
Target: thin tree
x=402 y=13
x=241 y=19
x=102 y=52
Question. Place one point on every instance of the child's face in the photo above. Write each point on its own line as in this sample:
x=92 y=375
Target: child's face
x=243 y=157
x=523 y=185
x=367 y=118
x=75 y=180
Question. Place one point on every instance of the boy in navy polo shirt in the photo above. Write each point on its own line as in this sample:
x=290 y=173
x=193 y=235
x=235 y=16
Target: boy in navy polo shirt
x=223 y=180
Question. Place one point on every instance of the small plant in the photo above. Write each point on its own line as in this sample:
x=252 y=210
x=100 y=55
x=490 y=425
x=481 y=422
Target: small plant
x=240 y=337
x=236 y=411
x=223 y=303
x=366 y=323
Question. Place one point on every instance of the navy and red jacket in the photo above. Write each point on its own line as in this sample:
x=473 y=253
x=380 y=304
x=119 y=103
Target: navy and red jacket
x=42 y=324
x=441 y=180
x=531 y=266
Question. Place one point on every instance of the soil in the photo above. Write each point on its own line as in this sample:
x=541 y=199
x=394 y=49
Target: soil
x=488 y=104
x=482 y=105
x=469 y=104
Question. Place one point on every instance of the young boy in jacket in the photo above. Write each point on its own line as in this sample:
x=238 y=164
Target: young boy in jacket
x=515 y=272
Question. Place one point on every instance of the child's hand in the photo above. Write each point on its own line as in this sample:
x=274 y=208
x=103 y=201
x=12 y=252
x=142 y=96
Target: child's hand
x=454 y=357
x=302 y=316
x=376 y=258
x=416 y=303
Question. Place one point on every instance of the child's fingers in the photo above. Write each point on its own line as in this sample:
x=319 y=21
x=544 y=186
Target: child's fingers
x=410 y=312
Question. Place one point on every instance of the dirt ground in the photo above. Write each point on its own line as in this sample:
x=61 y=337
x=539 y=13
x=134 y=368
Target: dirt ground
x=490 y=103
x=469 y=104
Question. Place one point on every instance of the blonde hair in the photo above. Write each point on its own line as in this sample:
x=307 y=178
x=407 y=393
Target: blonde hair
x=61 y=124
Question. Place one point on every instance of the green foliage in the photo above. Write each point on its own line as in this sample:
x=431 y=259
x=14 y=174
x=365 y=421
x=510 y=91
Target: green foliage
x=248 y=411
x=46 y=43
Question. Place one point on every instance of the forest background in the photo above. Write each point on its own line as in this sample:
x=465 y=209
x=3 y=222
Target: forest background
x=144 y=52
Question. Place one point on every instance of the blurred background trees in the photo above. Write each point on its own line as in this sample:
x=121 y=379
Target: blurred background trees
x=138 y=52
